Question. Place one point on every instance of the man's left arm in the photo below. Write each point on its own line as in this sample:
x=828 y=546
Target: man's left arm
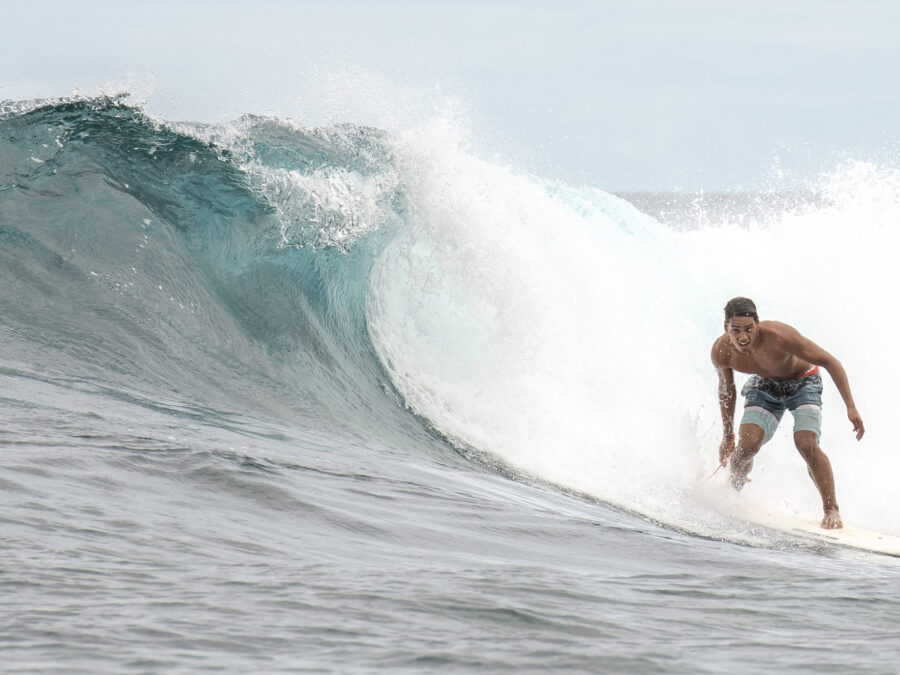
x=808 y=350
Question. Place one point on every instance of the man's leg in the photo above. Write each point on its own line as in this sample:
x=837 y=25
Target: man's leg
x=750 y=440
x=820 y=471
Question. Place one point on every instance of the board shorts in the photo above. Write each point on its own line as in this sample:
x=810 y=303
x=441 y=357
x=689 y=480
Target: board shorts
x=766 y=400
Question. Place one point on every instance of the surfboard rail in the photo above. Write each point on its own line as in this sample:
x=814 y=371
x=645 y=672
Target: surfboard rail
x=849 y=536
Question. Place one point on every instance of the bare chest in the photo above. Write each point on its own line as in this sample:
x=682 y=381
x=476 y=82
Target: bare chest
x=776 y=366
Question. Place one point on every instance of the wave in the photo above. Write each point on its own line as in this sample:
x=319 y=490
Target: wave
x=349 y=276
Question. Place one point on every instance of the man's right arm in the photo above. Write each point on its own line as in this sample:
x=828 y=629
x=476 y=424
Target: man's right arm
x=727 y=397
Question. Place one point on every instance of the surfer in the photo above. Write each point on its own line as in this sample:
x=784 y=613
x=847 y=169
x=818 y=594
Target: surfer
x=784 y=368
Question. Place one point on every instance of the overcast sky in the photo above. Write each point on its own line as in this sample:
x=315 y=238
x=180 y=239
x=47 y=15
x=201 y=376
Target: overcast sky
x=632 y=94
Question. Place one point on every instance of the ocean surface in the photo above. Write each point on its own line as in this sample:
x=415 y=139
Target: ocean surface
x=287 y=399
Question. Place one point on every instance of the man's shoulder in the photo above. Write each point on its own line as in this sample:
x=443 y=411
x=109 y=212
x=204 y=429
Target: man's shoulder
x=721 y=352
x=779 y=329
x=770 y=324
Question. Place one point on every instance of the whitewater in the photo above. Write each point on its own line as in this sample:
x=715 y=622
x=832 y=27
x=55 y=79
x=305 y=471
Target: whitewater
x=338 y=399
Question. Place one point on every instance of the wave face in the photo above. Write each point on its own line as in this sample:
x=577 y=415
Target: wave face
x=399 y=287
x=141 y=255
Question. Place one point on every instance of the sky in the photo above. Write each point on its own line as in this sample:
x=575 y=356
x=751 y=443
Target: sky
x=625 y=95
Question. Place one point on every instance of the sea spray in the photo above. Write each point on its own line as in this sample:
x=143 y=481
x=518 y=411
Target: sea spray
x=569 y=334
x=542 y=324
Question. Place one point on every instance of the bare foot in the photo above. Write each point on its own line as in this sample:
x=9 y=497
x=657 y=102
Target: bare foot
x=832 y=520
x=738 y=480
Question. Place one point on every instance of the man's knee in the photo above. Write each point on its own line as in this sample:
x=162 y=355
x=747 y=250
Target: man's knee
x=807 y=443
x=751 y=438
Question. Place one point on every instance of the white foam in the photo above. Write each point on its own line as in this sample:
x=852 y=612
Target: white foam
x=565 y=333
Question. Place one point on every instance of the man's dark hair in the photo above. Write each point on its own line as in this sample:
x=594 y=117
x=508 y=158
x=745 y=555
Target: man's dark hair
x=740 y=307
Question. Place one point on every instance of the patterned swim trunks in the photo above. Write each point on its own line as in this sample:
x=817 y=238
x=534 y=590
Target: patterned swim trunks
x=766 y=400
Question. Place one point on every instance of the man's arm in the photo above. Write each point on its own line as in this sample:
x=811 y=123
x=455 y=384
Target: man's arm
x=808 y=350
x=727 y=397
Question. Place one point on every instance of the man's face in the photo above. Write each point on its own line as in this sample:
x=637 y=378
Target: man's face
x=742 y=331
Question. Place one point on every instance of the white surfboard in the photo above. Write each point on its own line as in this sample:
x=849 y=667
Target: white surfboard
x=853 y=537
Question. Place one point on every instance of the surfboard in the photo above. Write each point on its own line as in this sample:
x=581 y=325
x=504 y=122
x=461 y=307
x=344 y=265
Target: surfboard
x=849 y=536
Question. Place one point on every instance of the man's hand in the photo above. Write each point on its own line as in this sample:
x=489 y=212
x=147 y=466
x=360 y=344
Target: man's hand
x=725 y=448
x=856 y=421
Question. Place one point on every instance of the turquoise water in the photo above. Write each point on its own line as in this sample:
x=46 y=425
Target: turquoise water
x=280 y=399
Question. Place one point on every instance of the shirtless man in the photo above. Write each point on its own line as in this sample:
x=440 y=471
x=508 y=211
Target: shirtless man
x=784 y=367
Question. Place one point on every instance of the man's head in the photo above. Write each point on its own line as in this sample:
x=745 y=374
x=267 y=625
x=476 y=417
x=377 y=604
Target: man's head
x=741 y=323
